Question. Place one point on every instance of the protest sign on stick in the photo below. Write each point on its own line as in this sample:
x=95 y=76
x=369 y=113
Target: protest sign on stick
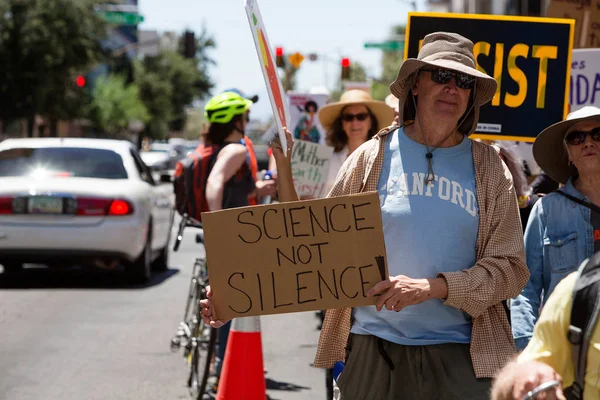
x=296 y=256
x=269 y=69
x=310 y=168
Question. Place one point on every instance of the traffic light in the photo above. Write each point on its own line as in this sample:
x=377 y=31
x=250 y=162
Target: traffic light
x=80 y=81
x=189 y=45
x=345 y=68
x=279 y=61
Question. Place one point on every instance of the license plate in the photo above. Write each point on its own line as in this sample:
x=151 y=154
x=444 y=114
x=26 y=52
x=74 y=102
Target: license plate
x=45 y=205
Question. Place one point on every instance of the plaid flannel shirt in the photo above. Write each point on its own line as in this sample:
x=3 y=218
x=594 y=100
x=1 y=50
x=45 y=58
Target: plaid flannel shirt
x=500 y=272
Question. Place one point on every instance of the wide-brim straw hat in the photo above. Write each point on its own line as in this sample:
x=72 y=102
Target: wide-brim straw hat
x=549 y=149
x=449 y=51
x=330 y=112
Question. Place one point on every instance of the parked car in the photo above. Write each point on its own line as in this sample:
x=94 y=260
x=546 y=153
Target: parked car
x=163 y=156
x=82 y=201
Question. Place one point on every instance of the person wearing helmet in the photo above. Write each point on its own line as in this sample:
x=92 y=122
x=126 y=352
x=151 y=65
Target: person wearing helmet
x=230 y=180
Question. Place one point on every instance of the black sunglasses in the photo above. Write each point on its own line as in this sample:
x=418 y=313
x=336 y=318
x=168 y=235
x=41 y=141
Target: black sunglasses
x=443 y=76
x=350 y=117
x=578 y=137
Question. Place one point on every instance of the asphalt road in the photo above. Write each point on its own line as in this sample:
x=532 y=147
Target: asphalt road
x=74 y=334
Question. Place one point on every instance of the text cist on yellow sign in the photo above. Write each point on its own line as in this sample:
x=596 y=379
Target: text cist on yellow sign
x=297 y=256
x=529 y=57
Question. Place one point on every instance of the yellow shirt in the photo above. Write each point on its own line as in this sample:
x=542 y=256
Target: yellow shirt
x=550 y=345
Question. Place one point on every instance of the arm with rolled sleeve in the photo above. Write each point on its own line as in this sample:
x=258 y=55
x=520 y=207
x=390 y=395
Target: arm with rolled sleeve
x=525 y=308
x=500 y=272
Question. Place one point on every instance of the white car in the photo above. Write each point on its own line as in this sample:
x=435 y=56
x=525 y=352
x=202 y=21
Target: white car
x=68 y=200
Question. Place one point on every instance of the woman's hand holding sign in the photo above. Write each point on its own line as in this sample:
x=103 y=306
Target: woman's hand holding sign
x=285 y=180
x=208 y=311
x=401 y=291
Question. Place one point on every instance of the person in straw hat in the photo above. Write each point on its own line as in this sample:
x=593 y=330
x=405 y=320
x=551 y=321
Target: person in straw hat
x=349 y=123
x=453 y=238
x=564 y=226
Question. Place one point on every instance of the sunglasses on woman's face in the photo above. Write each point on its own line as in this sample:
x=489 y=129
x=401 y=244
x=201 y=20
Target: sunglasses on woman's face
x=443 y=76
x=350 y=117
x=578 y=137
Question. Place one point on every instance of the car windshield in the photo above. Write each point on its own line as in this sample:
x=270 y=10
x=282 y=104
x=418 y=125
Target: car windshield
x=62 y=162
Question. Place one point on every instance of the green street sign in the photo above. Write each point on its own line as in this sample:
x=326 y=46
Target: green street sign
x=122 y=18
x=388 y=45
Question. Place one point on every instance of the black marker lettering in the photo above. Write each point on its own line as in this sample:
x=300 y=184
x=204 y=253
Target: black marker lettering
x=321 y=279
x=300 y=288
x=342 y=283
x=319 y=247
x=303 y=246
x=265 y=224
x=291 y=260
x=262 y=308
x=294 y=223
x=239 y=290
x=275 y=305
x=354 y=207
x=331 y=218
x=314 y=219
x=239 y=219
x=362 y=279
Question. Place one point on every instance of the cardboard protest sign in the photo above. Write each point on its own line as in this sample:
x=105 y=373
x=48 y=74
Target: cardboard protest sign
x=304 y=121
x=297 y=256
x=585 y=78
x=269 y=69
x=529 y=57
x=586 y=13
x=310 y=168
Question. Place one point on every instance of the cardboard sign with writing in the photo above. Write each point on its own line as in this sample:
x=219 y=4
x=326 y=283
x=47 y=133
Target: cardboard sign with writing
x=310 y=168
x=529 y=57
x=297 y=256
x=586 y=13
x=585 y=78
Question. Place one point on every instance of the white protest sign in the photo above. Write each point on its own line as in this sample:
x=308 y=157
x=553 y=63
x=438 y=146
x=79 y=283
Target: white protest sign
x=585 y=78
x=269 y=69
x=310 y=166
x=305 y=124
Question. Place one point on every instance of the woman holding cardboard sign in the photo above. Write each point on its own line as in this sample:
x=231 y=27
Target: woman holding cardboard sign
x=453 y=240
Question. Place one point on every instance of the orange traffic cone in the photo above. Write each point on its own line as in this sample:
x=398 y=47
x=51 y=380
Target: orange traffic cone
x=243 y=376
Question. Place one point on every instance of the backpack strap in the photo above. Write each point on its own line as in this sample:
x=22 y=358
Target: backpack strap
x=589 y=205
x=584 y=316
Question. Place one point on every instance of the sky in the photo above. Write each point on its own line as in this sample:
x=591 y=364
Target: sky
x=335 y=28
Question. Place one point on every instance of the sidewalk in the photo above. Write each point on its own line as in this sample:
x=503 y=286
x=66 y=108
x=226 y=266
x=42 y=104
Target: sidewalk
x=289 y=346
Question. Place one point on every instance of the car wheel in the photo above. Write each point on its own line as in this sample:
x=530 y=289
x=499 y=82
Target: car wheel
x=12 y=267
x=140 y=270
x=162 y=262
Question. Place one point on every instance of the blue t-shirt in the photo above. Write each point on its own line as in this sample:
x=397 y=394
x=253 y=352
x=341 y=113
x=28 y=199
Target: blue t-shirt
x=428 y=229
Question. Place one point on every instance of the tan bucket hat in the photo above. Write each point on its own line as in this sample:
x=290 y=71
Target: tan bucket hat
x=450 y=51
x=329 y=113
x=549 y=149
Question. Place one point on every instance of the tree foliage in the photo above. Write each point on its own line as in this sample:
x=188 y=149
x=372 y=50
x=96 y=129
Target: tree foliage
x=115 y=104
x=169 y=83
x=390 y=64
x=44 y=44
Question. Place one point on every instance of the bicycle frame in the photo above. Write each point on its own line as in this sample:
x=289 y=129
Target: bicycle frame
x=197 y=339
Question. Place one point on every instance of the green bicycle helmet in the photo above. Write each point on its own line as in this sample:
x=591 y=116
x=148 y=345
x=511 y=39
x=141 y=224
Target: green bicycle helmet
x=222 y=108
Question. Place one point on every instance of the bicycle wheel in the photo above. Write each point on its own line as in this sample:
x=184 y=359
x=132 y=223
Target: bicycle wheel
x=202 y=353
